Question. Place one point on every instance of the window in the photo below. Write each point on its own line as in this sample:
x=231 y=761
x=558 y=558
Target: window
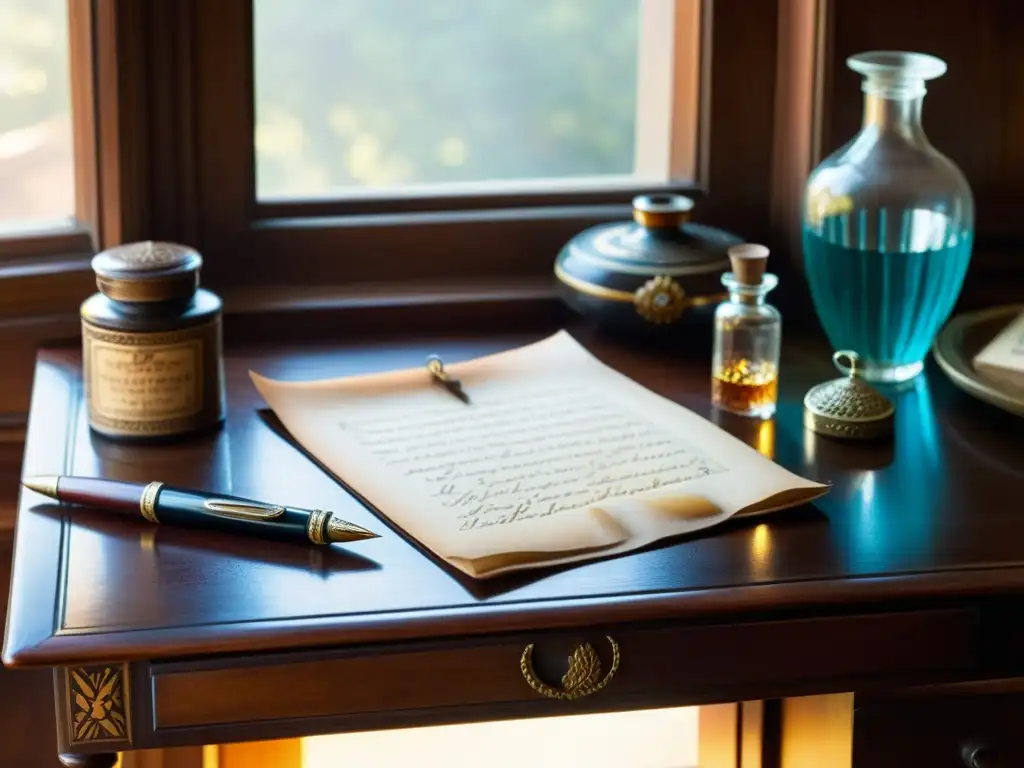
x=356 y=143
x=653 y=738
x=49 y=175
x=325 y=145
x=400 y=93
x=658 y=738
x=37 y=185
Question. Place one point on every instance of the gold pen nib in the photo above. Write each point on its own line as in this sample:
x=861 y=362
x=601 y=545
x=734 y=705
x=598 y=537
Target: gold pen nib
x=44 y=484
x=340 y=531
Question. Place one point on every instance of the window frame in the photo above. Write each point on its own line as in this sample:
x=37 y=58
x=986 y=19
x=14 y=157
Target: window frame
x=44 y=276
x=41 y=243
x=491 y=236
x=728 y=735
x=156 y=97
x=43 y=273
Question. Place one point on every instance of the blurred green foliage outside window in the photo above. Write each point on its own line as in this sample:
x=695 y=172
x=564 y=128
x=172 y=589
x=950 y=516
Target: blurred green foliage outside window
x=355 y=94
x=390 y=93
x=36 y=159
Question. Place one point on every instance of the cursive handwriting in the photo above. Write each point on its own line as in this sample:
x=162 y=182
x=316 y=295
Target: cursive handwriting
x=527 y=456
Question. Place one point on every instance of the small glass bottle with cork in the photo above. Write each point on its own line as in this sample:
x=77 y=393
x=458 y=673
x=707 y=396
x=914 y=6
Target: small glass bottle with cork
x=748 y=332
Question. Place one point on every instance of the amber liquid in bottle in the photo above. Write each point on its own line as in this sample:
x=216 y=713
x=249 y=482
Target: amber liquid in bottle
x=745 y=365
x=741 y=387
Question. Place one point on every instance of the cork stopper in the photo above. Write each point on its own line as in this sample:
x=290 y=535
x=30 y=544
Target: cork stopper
x=748 y=263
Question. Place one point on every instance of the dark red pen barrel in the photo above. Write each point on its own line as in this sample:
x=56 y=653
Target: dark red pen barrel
x=107 y=494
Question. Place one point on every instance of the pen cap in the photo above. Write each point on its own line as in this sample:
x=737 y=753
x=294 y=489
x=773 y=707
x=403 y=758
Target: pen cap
x=147 y=272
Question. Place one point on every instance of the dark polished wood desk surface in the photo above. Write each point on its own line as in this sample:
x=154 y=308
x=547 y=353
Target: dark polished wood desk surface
x=937 y=514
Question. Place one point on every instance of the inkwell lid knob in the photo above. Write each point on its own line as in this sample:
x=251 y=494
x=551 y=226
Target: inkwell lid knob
x=662 y=211
x=848 y=407
x=147 y=271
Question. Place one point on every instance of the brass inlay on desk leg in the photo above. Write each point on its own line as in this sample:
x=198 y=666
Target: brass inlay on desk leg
x=581 y=679
x=97 y=704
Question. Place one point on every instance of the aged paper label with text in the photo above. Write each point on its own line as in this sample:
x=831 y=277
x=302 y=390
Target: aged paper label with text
x=143 y=382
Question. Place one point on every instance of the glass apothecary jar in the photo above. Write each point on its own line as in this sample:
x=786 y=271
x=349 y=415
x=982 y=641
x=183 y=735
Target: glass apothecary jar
x=888 y=224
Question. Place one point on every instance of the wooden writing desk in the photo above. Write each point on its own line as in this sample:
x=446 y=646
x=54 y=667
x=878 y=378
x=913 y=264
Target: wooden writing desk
x=904 y=582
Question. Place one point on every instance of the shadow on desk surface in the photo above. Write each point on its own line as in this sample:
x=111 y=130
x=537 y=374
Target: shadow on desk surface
x=245 y=551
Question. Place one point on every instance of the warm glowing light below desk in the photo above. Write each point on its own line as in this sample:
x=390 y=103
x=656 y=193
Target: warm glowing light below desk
x=655 y=738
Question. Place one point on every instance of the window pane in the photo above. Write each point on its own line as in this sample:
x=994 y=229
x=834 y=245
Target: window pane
x=654 y=738
x=36 y=165
x=391 y=93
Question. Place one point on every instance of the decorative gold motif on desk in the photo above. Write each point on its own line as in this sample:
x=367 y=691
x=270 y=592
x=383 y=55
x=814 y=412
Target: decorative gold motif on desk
x=660 y=300
x=147 y=504
x=581 y=679
x=97 y=704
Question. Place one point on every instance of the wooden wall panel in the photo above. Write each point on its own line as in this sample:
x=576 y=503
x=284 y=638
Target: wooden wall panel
x=19 y=339
x=11 y=448
x=737 y=129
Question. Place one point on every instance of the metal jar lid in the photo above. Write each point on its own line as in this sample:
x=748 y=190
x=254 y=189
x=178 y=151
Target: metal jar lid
x=662 y=211
x=147 y=271
x=848 y=407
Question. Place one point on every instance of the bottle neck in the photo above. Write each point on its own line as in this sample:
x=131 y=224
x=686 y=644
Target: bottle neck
x=901 y=116
x=752 y=297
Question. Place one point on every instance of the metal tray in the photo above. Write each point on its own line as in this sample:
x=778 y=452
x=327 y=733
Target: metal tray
x=964 y=337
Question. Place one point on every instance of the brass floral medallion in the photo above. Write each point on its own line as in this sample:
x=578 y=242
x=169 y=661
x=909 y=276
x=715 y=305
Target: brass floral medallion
x=582 y=678
x=660 y=300
x=97 y=702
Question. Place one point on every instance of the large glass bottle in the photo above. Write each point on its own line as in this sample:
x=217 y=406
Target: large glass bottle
x=888 y=224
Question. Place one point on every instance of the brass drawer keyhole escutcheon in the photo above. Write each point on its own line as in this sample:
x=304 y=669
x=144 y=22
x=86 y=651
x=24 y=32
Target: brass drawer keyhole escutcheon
x=581 y=679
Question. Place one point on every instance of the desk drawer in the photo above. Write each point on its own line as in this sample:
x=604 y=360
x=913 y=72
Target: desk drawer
x=960 y=732
x=656 y=666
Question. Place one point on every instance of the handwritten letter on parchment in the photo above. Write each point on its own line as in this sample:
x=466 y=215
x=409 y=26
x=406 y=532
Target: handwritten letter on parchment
x=558 y=458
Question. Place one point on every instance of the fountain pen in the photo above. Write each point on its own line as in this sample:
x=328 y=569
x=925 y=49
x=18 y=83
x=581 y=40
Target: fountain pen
x=159 y=503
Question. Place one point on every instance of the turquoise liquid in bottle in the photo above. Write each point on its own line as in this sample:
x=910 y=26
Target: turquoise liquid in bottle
x=888 y=224
x=886 y=305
